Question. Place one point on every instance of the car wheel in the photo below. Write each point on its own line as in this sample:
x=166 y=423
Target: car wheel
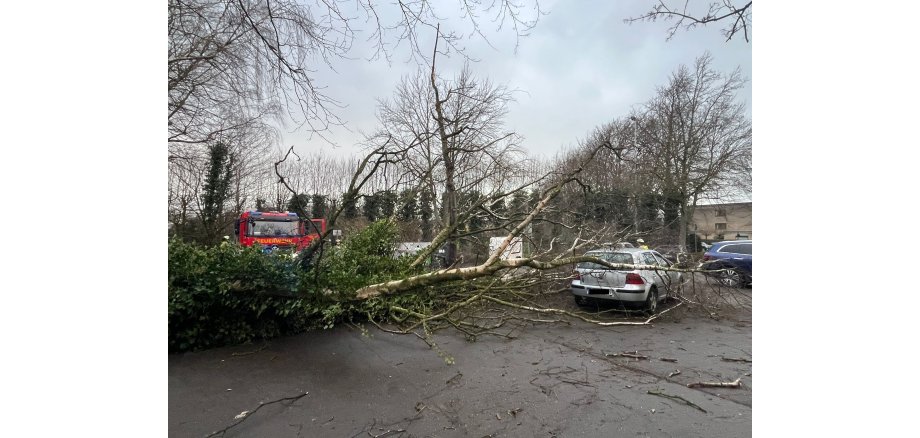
x=730 y=277
x=581 y=301
x=745 y=280
x=651 y=303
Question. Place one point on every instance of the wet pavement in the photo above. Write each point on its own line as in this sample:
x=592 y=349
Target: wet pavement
x=552 y=380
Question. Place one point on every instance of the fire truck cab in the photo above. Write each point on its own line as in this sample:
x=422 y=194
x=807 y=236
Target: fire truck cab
x=277 y=230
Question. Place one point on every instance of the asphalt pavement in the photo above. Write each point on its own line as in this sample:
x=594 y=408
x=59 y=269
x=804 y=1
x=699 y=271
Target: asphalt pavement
x=552 y=380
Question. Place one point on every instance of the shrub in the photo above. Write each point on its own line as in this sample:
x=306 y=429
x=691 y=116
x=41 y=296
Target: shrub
x=362 y=259
x=227 y=294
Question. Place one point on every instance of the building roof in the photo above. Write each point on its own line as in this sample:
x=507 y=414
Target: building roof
x=727 y=204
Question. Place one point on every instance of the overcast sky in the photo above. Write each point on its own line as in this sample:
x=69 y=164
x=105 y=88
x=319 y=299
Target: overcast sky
x=580 y=67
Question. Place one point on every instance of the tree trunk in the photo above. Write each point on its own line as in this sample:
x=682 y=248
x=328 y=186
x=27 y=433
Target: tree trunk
x=450 y=218
x=685 y=211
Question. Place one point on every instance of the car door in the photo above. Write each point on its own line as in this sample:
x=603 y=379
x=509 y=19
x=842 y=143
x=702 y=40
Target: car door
x=659 y=278
x=673 y=278
x=743 y=257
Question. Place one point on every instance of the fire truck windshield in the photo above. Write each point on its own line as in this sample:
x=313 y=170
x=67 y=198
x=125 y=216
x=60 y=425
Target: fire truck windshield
x=274 y=228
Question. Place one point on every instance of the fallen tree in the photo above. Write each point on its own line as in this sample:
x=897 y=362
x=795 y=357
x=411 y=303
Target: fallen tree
x=495 y=264
x=479 y=298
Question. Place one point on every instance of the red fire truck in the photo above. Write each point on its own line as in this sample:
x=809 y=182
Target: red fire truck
x=277 y=230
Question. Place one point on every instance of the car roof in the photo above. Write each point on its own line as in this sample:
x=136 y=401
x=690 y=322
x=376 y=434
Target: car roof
x=623 y=250
x=726 y=242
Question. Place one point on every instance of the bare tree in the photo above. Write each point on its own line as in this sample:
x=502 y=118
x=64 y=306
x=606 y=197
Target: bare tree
x=738 y=18
x=246 y=174
x=455 y=143
x=233 y=63
x=185 y=178
x=242 y=68
x=253 y=152
x=495 y=263
x=246 y=63
x=599 y=206
x=696 y=140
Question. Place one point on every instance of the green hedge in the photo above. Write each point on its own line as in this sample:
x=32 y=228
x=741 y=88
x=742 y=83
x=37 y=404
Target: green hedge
x=227 y=294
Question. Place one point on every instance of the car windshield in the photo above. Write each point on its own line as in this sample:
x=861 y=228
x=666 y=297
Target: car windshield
x=612 y=257
x=274 y=228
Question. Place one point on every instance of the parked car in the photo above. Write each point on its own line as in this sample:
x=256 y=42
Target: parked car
x=733 y=260
x=618 y=245
x=634 y=287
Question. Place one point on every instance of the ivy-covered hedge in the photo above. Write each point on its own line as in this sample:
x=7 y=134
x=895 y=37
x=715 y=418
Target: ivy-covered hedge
x=362 y=259
x=227 y=294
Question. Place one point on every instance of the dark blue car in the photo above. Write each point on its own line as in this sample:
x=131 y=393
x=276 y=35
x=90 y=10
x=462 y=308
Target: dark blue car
x=733 y=257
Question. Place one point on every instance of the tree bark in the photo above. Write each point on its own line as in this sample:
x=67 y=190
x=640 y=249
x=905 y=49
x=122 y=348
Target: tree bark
x=450 y=219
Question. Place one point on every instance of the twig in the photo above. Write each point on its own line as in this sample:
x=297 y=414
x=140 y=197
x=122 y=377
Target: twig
x=250 y=352
x=386 y=433
x=398 y=332
x=674 y=373
x=667 y=359
x=739 y=359
x=634 y=355
x=735 y=384
x=678 y=398
x=575 y=382
x=565 y=312
x=246 y=414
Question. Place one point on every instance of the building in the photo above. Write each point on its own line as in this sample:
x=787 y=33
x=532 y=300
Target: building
x=732 y=221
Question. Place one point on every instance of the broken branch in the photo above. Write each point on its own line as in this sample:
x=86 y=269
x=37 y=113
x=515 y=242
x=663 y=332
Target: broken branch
x=246 y=414
x=634 y=355
x=250 y=352
x=735 y=384
x=678 y=398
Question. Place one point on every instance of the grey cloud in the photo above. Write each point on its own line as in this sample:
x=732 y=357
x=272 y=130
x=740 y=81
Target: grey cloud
x=581 y=66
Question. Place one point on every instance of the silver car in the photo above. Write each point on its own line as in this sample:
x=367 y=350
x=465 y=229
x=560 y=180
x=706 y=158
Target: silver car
x=642 y=287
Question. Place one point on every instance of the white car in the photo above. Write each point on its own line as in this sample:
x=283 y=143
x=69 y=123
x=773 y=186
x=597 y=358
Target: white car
x=644 y=288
